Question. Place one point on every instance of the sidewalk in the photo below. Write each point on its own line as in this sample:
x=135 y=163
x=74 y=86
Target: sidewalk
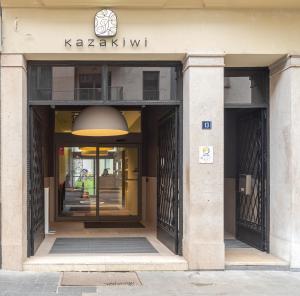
x=159 y=283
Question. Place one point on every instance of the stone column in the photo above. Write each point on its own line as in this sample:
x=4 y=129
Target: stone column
x=285 y=160
x=13 y=161
x=203 y=184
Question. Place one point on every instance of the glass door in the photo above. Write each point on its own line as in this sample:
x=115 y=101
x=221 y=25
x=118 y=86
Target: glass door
x=99 y=182
x=77 y=181
x=118 y=181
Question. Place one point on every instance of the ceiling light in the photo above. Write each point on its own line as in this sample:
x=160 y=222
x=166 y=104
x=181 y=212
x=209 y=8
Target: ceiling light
x=100 y=121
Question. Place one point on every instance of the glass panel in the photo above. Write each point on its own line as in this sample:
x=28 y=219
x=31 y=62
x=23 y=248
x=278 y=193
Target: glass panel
x=84 y=82
x=246 y=89
x=64 y=121
x=237 y=90
x=128 y=83
x=40 y=81
x=118 y=181
x=63 y=83
x=77 y=181
x=88 y=83
x=151 y=85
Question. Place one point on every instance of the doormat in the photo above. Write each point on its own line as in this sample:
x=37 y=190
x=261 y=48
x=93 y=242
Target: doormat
x=92 y=279
x=113 y=225
x=72 y=245
x=234 y=243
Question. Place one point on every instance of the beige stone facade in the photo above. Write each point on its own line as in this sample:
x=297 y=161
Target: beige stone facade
x=204 y=41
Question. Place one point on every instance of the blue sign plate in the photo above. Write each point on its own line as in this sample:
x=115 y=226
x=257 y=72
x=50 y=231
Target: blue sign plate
x=206 y=124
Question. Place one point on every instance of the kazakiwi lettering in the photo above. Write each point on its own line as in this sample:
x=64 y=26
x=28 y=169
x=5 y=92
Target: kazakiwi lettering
x=105 y=43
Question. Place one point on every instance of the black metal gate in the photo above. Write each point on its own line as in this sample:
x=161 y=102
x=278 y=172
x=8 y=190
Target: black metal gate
x=167 y=181
x=251 y=215
x=36 y=232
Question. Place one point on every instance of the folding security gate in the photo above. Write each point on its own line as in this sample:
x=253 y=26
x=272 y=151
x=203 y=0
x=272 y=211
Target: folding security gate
x=35 y=183
x=167 y=182
x=251 y=202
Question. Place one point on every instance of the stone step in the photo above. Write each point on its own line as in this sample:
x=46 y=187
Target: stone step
x=82 y=262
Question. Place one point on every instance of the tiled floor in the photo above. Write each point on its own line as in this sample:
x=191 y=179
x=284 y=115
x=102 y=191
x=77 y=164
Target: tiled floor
x=238 y=254
x=235 y=257
x=43 y=260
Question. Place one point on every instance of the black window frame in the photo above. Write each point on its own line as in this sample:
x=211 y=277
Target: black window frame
x=175 y=99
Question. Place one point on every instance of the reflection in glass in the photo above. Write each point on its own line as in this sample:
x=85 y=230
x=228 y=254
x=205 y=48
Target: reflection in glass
x=144 y=83
x=88 y=83
x=118 y=181
x=77 y=182
x=63 y=83
x=151 y=85
x=237 y=90
x=246 y=89
x=94 y=82
x=118 y=176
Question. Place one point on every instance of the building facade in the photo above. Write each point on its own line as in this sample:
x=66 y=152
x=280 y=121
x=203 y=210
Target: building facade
x=210 y=95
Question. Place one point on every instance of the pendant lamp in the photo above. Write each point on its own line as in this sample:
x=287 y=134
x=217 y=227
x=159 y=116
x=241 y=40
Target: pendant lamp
x=100 y=121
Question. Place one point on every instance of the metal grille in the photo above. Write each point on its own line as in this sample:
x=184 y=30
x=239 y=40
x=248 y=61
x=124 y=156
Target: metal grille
x=251 y=218
x=167 y=211
x=36 y=191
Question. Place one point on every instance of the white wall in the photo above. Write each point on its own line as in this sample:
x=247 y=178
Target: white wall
x=170 y=32
x=13 y=161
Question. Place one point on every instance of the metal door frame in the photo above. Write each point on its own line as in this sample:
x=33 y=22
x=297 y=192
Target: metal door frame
x=97 y=217
x=267 y=170
x=244 y=233
x=30 y=235
x=164 y=234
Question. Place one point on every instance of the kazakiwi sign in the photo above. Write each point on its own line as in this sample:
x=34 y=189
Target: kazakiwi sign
x=105 y=25
x=103 y=43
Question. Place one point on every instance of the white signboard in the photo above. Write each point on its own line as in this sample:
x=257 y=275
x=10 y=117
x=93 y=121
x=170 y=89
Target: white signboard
x=206 y=154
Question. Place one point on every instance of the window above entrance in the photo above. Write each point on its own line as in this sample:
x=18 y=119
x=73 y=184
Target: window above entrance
x=246 y=87
x=103 y=82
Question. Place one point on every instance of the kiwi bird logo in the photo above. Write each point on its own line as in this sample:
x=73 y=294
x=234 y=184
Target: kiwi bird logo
x=105 y=23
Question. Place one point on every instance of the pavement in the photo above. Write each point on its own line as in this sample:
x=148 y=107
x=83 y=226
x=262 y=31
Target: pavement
x=188 y=283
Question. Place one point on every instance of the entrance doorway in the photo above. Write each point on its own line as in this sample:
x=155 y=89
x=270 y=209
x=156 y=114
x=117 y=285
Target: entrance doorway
x=246 y=187
x=122 y=180
x=246 y=169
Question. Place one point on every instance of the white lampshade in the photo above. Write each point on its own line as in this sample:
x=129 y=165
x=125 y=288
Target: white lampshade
x=100 y=121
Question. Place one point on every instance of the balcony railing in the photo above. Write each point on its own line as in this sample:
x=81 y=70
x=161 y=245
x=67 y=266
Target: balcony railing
x=77 y=94
x=88 y=94
x=151 y=95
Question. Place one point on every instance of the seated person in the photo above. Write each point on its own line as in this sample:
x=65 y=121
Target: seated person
x=105 y=172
